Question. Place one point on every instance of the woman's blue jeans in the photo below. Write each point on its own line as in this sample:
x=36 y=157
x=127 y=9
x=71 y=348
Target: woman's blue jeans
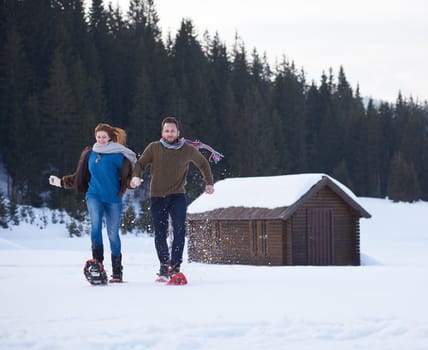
x=173 y=205
x=113 y=213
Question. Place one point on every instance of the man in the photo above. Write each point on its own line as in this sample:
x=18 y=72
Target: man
x=170 y=159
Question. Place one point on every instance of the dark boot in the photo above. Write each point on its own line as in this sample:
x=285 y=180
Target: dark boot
x=116 y=264
x=94 y=269
x=98 y=253
x=163 y=274
x=174 y=269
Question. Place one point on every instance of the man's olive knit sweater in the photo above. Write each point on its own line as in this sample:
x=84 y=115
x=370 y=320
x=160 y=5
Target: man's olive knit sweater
x=169 y=168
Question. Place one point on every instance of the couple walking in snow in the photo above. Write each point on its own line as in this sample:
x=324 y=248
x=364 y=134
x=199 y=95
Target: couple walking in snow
x=108 y=168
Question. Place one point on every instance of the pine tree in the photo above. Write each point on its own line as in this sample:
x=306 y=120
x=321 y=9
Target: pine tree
x=240 y=77
x=238 y=94
x=3 y=23
x=37 y=22
x=190 y=69
x=13 y=212
x=373 y=151
x=16 y=124
x=403 y=182
x=314 y=113
x=32 y=168
x=60 y=140
x=3 y=211
x=85 y=115
x=331 y=132
x=98 y=23
x=128 y=219
x=104 y=30
x=222 y=131
x=218 y=82
x=288 y=100
x=387 y=145
x=251 y=157
x=413 y=134
x=143 y=19
x=144 y=121
x=356 y=152
x=343 y=97
x=152 y=89
x=341 y=173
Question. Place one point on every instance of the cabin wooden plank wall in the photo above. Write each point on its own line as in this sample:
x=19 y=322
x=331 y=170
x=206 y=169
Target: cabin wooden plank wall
x=266 y=242
x=257 y=242
x=343 y=229
x=275 y=242
x=356 y=225
x=235 y=242
x=287 y=243
x=198 y=241
x=219 y=241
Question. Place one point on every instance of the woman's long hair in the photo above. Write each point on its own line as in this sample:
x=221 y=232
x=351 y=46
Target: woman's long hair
x=117 y=135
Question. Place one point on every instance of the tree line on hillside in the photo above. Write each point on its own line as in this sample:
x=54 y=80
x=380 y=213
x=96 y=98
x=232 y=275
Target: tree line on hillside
x=63 y=70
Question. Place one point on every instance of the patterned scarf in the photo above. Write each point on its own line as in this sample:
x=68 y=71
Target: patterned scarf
x=215 y=156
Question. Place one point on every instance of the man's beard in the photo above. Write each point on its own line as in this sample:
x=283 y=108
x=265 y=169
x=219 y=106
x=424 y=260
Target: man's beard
x=174 y=141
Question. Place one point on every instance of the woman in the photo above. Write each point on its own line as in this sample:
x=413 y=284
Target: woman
x=104 y=172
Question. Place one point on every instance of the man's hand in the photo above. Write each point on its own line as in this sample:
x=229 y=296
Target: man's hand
x=209 y=189
x=135 y=182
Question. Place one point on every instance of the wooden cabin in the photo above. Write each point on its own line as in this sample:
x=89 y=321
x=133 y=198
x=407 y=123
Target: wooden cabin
x=306 y=219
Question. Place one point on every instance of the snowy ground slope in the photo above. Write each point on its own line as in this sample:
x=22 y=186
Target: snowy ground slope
x=45 y=303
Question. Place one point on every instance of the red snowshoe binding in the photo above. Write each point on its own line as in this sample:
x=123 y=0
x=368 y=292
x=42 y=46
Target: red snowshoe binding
x=176 y=278
x=171 y=275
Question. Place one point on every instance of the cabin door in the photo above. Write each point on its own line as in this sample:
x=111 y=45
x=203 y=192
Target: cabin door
x=320 y=232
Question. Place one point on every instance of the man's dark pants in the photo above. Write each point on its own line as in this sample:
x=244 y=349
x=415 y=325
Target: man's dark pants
x=161 y=208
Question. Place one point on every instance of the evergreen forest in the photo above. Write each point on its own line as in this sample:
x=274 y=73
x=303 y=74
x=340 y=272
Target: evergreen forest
x=64 y=68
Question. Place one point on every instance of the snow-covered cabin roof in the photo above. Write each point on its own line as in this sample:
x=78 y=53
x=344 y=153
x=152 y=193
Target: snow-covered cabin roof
x=271 y=193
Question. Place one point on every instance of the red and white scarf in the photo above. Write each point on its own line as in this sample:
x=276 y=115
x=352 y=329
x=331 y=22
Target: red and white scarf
x=215 y=156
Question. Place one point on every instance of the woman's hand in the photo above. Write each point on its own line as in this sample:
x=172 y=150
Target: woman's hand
x=55 y=181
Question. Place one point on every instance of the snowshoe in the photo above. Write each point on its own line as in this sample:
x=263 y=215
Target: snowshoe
x=114 y=279
x=94 y=272
x=177 y=279
x=171 y=275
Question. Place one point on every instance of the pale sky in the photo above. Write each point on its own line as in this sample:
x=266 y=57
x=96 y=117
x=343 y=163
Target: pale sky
x=381 y=44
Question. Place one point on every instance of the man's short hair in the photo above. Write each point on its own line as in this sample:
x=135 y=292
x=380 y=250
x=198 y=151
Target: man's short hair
x=169 y=120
